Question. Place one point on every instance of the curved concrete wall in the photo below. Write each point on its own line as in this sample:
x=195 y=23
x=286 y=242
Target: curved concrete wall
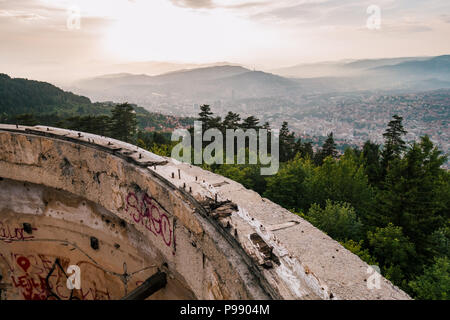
x=121 y=213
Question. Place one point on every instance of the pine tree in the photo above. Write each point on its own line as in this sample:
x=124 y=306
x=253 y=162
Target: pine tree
x=123 y=123
x=307 y=150
x=393 y=142
x=250 y=123
x=328 y=150
x=414 y=194
x=216 y=123
x=231 y=121
x=329 y=147
x=287 y=143
x=205 y=116
x=266 y=126
x=304 y=149
x=372 y=161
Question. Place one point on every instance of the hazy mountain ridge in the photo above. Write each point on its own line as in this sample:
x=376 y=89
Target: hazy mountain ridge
x=343 y=68
x=435 y=66
x=154 y=68
x=220 y=82
x=374 y=63
x=236 y=82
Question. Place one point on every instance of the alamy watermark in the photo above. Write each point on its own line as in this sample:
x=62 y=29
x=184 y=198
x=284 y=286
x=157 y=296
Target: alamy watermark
x=73 y=21
x=74 y=277
x=374 y=20
x=258 y=144
x=374 y=280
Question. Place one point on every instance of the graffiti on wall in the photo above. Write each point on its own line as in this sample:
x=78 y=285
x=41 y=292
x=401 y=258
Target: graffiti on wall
x=9 y=234
x=144 y=210
x=36 y=278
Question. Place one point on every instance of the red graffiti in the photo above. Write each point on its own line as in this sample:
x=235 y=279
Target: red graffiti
x=9 y=235
x=147 y=212
x=29 y=273
x=30 y=280
x=31 y=289
x=24 y=263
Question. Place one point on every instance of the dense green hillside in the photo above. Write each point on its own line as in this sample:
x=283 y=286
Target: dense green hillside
x=34 y=102
x=18 y=96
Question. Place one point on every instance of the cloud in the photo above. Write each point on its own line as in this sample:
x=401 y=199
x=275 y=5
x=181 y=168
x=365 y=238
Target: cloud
x=21 y=15
x=40 y=18
x=30 y=6
x=194 y=4
x=283 y=11
x=405 y=28
x=210 y=4
x=445 y=18
x=38 y=31
x=407 y=24
x=318 y=13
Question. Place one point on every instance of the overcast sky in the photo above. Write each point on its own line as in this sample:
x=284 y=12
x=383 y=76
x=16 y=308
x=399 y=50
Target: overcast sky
x=36 y=42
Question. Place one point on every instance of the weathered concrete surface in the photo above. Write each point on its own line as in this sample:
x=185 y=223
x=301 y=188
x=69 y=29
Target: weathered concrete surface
x=62 y=225
x=215 y=239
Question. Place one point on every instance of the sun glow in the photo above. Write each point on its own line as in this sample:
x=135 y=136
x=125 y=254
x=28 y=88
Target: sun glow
x=157 y=30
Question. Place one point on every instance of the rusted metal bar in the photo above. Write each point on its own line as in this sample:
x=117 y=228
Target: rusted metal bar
x=150 y=286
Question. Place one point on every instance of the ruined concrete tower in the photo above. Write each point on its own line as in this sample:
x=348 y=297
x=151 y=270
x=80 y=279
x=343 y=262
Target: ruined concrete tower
x=79 y=205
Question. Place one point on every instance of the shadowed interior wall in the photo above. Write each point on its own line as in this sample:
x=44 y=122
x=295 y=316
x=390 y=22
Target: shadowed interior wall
x=39 y=225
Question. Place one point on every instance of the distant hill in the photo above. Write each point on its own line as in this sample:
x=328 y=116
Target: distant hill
x=406 y=73
x=28 y=96
x=433 y=67
x=196 y=85
x=343 y=68
x=314 y=70
x=201 y=74
x=154 y=68
x=178 y=92
x=256 y=84
x=365 y=64
x=174 y=78
x=50 y=104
